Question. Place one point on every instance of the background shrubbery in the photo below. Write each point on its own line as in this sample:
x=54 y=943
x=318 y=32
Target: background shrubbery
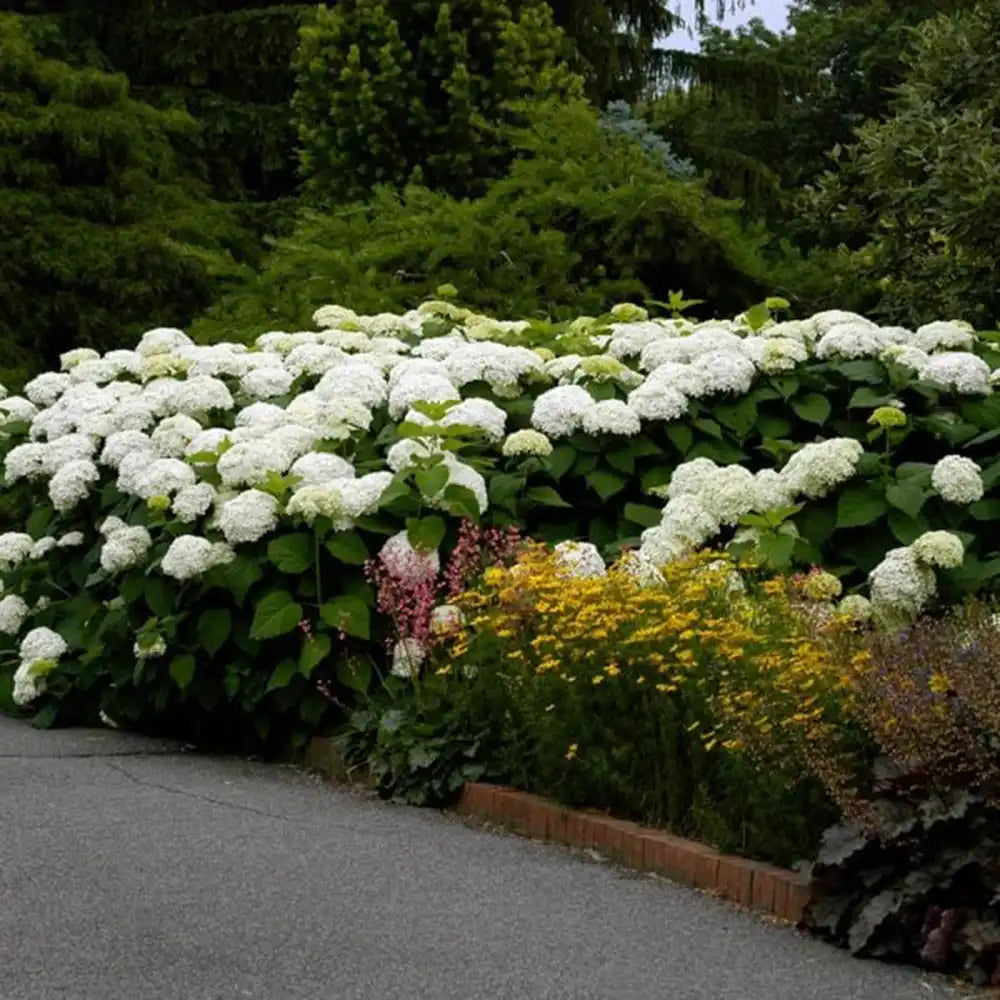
x=226 y=128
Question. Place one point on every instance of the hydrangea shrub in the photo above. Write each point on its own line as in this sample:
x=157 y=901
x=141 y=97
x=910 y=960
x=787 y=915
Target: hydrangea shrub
x=201 y=516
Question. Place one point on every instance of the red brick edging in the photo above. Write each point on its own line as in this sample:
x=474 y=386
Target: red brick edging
x=775 y=891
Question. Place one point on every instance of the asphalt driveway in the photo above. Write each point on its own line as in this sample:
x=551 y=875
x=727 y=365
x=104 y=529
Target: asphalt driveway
x=130 y=870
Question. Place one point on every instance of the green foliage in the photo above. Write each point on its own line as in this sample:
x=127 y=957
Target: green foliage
x=420 y=745
x=424 y=91
x=230 y=68
x=101 y=234
x=920 y=188
x=584 y=219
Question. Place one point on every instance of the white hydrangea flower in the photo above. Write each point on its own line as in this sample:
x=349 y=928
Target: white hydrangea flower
x=581 y=559
x=855 y=339
x=906 y=355
x=16 y=408
x=340 y=500
x=482 y=414
x=629 y=339
x=201 y=394
x=559 y=412
x=162 y=478
x=687 y=523
x=726 y=372
x=69 y=448
x=71 y=540
x=13 y=611
x=611 y=416
x=526 y=442
x=70 y=359
x=439 y=348
x=261 y=414
x=248 y=517
x=316 y=467
x=563 y=368
x=358 y=378
x=15 y=547
x=25 y=461
x=652 y=401
x=327 y=317
x=110 y=525
x=191 y=556
x=408 y=367
x=691 y=477
x=944 y=335
x=158 y=366
x=420 y=388
x=729 y=494
x=71 y=484
x=499 y=365
x=403 y=562
x=192 y=502
x=957 y=479
x=940 y=549
x=173 y=434
x=45 y=389
x=162 y=340
x=313 y=359
x=817 y=468
x=771 y=491
x=782 y=354
x=124 y=443
x=125 y=548
x=958 y=372
x=900 y=586
x=408 y=656
x=347 y=340
x=267 y=382
x=40 y=650
x=249 y=463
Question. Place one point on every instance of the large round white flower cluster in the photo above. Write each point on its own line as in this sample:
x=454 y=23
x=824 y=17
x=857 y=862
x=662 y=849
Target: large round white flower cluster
x=704 y=497
x=902 y=584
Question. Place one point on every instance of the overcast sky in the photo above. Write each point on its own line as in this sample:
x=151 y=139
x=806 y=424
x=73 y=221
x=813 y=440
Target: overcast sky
x=774 y=14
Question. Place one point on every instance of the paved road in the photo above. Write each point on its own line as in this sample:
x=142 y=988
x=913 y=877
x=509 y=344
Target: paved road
x=132 y=871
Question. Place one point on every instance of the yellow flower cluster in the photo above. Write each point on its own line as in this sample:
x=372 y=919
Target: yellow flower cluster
x=754 y=662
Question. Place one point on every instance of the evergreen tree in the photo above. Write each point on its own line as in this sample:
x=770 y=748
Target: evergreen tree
x=393 y=91
x=101 y=233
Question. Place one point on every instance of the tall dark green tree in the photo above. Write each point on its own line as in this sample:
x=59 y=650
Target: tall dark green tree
x=919 y=191
x=101 y=232
x=226 y=62
x=391 y=91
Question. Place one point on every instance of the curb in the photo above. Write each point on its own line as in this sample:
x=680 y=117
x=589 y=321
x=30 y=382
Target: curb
x=777 y=892
x=765 y=888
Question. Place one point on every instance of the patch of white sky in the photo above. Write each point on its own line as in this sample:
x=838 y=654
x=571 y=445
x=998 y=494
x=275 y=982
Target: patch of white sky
x=774 y=13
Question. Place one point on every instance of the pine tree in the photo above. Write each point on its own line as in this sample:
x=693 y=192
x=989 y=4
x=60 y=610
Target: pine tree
x=391 y=91
x=101 y=232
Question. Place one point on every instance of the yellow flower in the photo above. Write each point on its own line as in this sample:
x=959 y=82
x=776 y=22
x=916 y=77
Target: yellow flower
x=939 y=683
x=612 y=670
x=571 y=752
x=598 y=679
